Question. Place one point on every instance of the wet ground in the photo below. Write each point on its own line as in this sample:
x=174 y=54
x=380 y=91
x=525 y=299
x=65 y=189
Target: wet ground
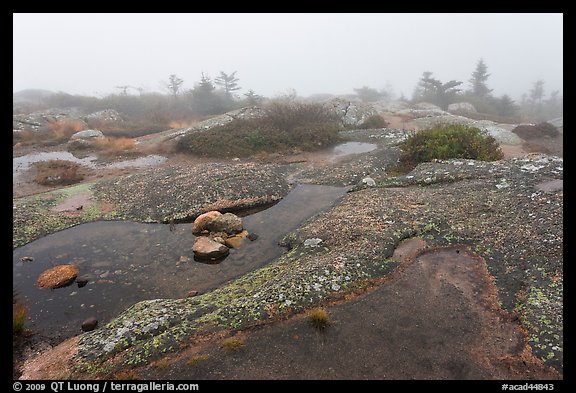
x=127 y=262
x=437 y=318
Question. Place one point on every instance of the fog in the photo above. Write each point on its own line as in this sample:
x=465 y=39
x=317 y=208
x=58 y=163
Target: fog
x=273 y=54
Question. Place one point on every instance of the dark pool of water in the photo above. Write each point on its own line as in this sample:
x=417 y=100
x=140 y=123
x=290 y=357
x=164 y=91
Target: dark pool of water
x=129 y=262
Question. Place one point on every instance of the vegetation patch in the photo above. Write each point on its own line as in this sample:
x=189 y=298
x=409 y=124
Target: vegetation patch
x=19 y=313
x=57 y=173
x=232 y=344
x=319 y=318
x=448 y=141
x=286 y=127
x=374 y=121
x=527 y=131
x=194 y=360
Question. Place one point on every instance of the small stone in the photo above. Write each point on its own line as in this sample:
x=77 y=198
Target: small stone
x=368 y=181
x=27 y=259
x=184 y=259
x=82 y=281
x=202 y=220
x=252 y=236
x=89 y=324
x=206 y=248
x=313 y=242
x=192 y=293
x=57 y=277
x=234 y=242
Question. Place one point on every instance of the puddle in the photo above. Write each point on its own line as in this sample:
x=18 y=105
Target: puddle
x=128 y=262
x=23 y=163
x=348 y=148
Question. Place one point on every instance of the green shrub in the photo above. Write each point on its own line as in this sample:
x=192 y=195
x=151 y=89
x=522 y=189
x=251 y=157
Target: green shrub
x=286 y=127
x=374 y=121
x=450 y=141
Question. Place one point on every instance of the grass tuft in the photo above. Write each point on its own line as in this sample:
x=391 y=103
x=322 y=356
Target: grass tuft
x=19 y=313
x=194 y=360
x=318 y=318
x=232 y=344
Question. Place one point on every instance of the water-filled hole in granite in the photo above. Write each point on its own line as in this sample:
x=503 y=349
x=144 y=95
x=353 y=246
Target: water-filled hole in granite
x=127 y=262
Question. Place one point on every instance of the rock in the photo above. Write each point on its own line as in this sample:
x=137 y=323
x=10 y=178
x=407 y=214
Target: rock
x=229 y=223
x=42 y=121
x=27 y=259
x=351 y=113
x=202 y=220
x=87 y=134
x=462 y=107
x=252 y=236
x=207 y=249
x=82 y=281
x=58 y=276
x=89 y=324
x=426 y=106
x=85 y=139
x=192 y=293
x=234 y=242
x=313 y=242
x=104 y=116
x=368 y=181
x=184 y=259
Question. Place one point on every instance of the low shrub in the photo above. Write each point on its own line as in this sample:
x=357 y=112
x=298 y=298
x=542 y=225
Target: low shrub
x=287 y=127
x=449 y=141
x=374 y=121
x=57 y=172
x=527 y=131
x=112 y=146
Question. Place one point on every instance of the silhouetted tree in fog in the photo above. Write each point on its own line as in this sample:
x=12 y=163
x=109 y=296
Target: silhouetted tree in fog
x=174 y=83
x=434 y=91
x=252 y=99
x=506 y=106
x=205 y=101
x=478 y=80
x=537 y=92
x=228 y=82
x=367 y=94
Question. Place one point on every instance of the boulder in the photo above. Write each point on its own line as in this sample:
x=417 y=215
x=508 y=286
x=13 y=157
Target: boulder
x=462 y=107
x=202 y=220
x=58 y=276
x=85 y=139
x=351 y=113
x=104 y=116
x=207 y=249
x=229 y=223
x=89 y=324
x=44 y=120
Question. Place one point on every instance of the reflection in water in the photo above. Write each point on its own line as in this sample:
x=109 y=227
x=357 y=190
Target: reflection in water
x=347 y=148
x=23 y=163
x=128 y=262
